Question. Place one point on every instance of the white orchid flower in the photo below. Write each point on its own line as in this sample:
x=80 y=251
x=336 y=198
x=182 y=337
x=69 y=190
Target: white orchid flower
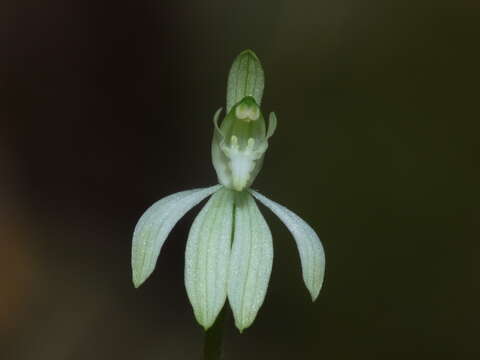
x=229 y=251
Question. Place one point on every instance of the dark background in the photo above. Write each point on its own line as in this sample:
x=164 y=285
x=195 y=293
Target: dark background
x=106 y=107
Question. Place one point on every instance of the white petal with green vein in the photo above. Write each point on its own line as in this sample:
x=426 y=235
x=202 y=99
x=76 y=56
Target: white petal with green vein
x=154 y=226
x=207 y=257
x=250 y=261
x=246 y=78
x=309 y=246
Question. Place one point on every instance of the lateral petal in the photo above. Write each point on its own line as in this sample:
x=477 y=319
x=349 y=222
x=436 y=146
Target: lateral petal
x=250 y=261
x=154 y=226
x=312 y=255
x=207 y=257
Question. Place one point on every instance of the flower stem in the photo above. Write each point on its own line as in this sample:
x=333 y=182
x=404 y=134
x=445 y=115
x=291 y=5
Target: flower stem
x=212 y=349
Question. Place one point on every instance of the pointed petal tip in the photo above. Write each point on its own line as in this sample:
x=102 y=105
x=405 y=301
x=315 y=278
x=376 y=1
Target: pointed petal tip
x=315 y=291
x=138 y=278
x=248 y=52
x=242 y=327
x=206 y=324
x=137 y=282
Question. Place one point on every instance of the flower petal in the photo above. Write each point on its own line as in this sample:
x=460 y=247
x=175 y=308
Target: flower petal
x=246 y=78
x=250 y=262
x=272 y=125
x=219 y=159
x=309 y=246
x=154 y=226
x=207 y=256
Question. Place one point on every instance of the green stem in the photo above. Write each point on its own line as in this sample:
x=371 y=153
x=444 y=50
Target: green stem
x=212 y=349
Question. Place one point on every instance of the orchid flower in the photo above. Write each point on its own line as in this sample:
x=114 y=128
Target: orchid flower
x=229 y=252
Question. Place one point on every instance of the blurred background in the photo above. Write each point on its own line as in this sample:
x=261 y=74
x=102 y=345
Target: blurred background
x=106 y=107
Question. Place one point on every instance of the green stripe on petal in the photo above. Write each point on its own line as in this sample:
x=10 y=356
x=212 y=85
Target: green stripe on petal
x=154 y=226
x=246 y=78
x=309 y=246
x=250 y=261
x=207 y=257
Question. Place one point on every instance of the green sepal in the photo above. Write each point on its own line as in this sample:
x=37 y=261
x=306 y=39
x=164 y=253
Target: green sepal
x=207 y=257
x=246 y=78
x=250 y=262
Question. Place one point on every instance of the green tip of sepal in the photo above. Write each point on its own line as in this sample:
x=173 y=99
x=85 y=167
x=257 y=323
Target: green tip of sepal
x=315 y=287
x=206 y=326
x=137 y=283
x=249 y=52
x=246 y=78
x=205 y=321
x=138 y=277
x=242 y=327
x=138 y=280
